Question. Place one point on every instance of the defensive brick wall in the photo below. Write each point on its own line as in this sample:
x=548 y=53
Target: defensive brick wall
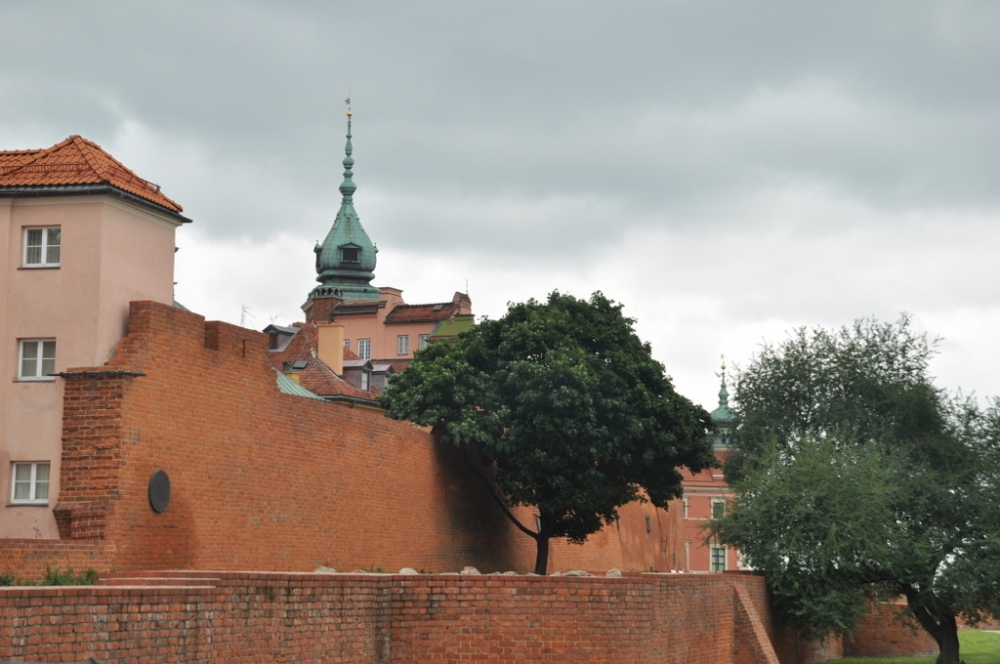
x=251 y=617
x=269 y=481
x=883 y=634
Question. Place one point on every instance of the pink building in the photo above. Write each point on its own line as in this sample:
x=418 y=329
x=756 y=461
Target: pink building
x=83 y=236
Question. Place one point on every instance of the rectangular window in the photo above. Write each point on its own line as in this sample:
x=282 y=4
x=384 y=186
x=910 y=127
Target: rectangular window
x=37 y=359
x=41 y=247
x=422 y=341
x=403 y=344
x=685 y=503
x=718 y=558
x=718 y=509
x=365 y=380
x=31 y=483
x=365 y=349
x=347 y=344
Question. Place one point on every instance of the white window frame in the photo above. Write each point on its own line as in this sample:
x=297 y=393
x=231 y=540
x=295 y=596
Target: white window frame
x=365 y=349
x=403 y=344
x=716 y=547
x=422 y=341
x=40 y=359
x=366 y=381
x=715 y=502
x=347 y=344
x=45 y=247
x=33 y=483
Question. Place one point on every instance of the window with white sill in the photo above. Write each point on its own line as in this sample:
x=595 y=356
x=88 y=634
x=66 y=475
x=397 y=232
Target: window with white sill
x=718 y=557
x=30 y=483
x=42 y=247
x=36 y=359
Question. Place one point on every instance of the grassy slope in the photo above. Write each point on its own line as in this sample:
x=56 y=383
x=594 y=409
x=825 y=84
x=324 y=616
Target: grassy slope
x=976 y=648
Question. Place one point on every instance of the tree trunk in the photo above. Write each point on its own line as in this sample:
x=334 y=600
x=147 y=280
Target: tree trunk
x=542 y=554
x=947 y=639
x=939 y=623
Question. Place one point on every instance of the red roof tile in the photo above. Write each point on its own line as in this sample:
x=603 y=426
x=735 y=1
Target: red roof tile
x=316 y=377
x=76 y=161
x=429 y=313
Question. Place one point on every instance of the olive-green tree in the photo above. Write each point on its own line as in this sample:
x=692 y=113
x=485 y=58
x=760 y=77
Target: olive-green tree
x=565 y=409
x=856 y=478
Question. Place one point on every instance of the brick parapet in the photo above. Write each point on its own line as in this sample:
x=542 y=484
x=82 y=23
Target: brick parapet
x=251 y=616
x=885 y=633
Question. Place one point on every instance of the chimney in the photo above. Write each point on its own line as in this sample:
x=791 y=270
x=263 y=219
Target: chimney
x=330 y=342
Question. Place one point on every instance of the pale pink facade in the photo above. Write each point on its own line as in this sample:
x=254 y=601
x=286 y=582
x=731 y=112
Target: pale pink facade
x=383 y=325
x=112 y=251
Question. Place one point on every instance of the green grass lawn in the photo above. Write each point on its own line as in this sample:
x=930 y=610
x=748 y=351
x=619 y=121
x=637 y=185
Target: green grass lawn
x=975 y=648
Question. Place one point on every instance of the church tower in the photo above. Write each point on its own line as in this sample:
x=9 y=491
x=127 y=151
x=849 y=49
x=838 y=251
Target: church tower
x=345 y=261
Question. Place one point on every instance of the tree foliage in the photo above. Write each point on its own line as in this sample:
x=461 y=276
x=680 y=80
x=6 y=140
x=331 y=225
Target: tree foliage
x=857 y=478
x=565 y=408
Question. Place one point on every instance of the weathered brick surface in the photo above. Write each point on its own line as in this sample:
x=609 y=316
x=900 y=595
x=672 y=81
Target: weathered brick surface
x=882 y=634
x=252 y=617
x=265 y=480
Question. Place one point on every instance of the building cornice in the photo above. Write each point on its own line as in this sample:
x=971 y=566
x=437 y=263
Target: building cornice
x=85 y=192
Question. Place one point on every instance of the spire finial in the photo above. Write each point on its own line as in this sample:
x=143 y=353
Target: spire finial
x=347 y=187
x=723 y=392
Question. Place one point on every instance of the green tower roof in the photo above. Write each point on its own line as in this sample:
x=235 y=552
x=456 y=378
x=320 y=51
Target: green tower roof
x=345 y=261
x=723 y=416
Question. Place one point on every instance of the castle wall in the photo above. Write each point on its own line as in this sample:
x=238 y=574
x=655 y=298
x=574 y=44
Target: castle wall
x=252 y=617
x=269 y=481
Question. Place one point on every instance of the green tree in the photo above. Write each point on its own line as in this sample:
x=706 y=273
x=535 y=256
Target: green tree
x=856 y=478
x=565 y=409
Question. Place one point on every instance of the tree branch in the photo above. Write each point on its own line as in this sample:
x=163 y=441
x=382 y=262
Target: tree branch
x=499 y=501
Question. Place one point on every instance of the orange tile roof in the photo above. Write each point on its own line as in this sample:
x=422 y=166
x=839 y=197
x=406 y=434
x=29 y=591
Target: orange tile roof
x=76 y=161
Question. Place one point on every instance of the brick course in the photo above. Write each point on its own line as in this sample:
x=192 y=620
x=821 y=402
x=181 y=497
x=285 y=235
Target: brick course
x=237 y=617
x=882 y=634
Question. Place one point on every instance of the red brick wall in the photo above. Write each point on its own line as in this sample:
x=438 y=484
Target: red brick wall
x=268 y=481
x=244 y=617
x=882 y=634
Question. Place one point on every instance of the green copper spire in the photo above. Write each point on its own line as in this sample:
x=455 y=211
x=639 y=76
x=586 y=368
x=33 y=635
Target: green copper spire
x=345 y=261
x=724 y=418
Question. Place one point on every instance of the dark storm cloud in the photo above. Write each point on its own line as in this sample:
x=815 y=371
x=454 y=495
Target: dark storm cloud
x=660 y=108
x=728 y=170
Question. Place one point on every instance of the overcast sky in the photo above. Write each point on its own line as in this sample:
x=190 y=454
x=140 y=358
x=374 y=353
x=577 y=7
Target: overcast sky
x=726 y=170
